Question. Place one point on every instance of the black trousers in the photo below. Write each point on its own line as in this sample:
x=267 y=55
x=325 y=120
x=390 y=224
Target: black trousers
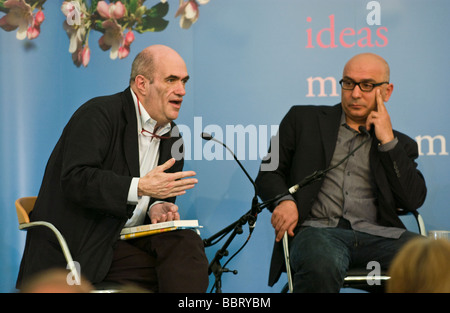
x=168 y=262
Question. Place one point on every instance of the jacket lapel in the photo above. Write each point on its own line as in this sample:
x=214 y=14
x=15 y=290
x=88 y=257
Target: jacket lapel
x=329 y=126
x=130 y=135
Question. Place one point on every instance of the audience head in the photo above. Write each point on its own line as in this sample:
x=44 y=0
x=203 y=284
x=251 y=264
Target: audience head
x=421 y=266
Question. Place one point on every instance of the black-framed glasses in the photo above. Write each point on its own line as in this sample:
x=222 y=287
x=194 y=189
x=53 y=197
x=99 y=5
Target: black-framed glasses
x=348 y=84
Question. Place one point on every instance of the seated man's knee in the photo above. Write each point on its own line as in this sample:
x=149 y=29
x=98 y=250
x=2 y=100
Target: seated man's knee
x=319 y=253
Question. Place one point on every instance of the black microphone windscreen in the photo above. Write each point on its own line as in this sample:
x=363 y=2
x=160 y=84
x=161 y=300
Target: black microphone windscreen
x=363 y=129
x=207 y=136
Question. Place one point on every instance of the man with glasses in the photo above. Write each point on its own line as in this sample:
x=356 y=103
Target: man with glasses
x=112 y=168
x=349 y=217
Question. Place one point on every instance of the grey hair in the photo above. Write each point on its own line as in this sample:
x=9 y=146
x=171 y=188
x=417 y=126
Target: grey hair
x=143 y=64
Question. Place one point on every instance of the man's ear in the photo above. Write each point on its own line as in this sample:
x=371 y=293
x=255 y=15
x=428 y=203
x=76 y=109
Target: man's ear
x=140 y=82
x=388 y=92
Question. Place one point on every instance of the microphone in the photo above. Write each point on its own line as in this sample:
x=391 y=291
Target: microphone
x=208 y=137
x=363 y=129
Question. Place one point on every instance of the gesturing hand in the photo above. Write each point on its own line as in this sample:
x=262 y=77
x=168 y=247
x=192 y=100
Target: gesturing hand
x=161 y=185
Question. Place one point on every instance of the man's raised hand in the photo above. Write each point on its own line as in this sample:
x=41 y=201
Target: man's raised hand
x=161 y=185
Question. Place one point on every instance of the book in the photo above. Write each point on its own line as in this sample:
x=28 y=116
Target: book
x=151 y=229
x=146 y=233
x=176 y=223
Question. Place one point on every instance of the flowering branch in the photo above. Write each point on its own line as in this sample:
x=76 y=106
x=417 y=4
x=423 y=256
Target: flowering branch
x=117 y=20
x=19 y=15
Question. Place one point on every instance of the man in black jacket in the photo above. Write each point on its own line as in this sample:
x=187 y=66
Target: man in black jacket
x=110 y=169
x=348 y=218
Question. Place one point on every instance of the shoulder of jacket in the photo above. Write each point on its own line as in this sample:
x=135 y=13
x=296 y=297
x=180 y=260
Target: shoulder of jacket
x=310 y=108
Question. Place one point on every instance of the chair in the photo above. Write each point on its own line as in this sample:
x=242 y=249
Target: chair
x=24 y=206
x=356 y=277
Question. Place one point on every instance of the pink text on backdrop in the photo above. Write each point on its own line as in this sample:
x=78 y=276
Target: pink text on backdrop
x=348 y=37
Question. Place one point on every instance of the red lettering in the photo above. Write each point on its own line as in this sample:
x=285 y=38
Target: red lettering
x=309 y=32
x=326 y=37
x=381 y=36
x=346 y=32
x=368 y=39
x=331 y=30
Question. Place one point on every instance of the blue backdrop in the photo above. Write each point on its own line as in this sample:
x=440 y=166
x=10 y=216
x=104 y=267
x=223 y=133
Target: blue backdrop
x=249 y=61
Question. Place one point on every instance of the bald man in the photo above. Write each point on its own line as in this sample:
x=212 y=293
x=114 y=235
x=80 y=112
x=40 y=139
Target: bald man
x=349 y=217
x=113 y=168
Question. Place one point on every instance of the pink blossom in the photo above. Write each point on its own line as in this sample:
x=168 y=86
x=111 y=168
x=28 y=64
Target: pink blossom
x=35 y=29
x=189 y=12
x=19 y=16
x=85 y=56
x=124 y=51
x=75 y=24
x=81 y=56
x=39 y=18
x=76 y=35
x=67 y=8
x=115 y=40
x=129 y=38
x=118 y=10
x=102 y=44
x=5 y=25
x=103 y=9
x=112 y=39
x=113 y=10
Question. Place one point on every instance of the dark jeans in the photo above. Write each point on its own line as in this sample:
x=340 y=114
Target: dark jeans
x=320 y=257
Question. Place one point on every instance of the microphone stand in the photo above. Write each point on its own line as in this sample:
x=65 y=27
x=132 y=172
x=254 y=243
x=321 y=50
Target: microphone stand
x=215 y=266
x=250 y=217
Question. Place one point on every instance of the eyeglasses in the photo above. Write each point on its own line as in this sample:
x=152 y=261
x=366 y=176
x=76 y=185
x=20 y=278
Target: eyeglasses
x=348 y=84
x=145 y=132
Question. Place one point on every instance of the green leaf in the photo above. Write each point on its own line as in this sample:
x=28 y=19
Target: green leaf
x=158 y=10
x=2 y=7
x=132 y=6
x=93 y=6
x=98 y=26
x=150 y=24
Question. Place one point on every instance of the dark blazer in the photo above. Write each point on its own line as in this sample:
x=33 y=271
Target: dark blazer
x=307 y=139
x=85 y=187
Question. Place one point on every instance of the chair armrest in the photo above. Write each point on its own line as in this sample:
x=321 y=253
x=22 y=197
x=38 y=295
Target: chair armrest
x=62 y=243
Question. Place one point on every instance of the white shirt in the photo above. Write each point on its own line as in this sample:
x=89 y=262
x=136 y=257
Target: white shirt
x=148 y=160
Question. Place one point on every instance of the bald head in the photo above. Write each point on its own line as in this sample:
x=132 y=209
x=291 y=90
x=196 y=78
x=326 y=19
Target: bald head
x=146 y=61
x=158 y=79
x=358 y=102
x=364 y=61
